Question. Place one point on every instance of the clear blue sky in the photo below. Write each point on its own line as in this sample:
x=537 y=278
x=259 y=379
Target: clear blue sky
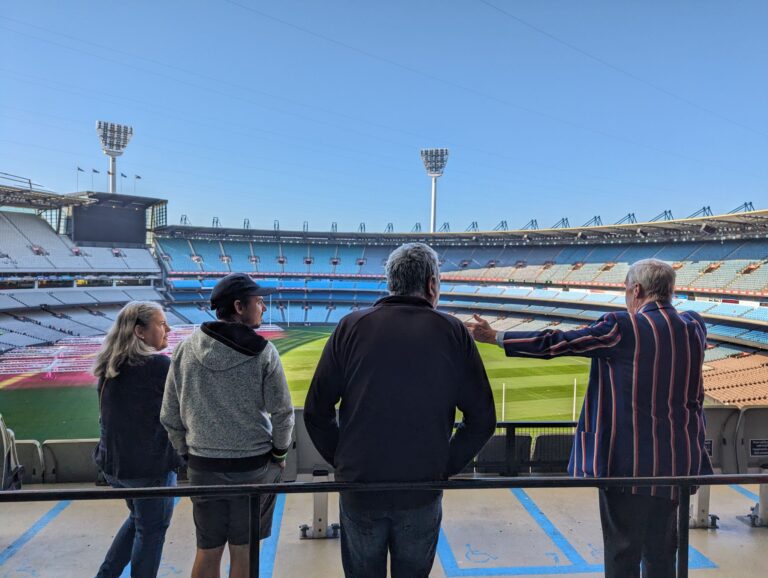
x=315 y=111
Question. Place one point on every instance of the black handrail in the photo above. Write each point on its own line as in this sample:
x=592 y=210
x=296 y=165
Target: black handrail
x=253 y=491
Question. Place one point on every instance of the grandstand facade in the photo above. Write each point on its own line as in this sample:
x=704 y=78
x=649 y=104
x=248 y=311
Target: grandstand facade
x=526 y=280
x=54 y=285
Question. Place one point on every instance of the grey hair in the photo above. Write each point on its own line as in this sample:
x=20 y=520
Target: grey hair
x=410 y=267
x=657 y=278
x=121 y=344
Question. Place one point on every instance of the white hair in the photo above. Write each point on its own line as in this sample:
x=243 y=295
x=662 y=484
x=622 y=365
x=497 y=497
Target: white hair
x=409 y=269
x=657 y=278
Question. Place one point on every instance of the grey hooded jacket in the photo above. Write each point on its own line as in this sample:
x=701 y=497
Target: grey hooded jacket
x=226 y=395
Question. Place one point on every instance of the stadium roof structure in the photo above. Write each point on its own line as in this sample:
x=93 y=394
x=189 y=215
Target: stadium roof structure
x=745 y=225
x=30 y=198
x=120 y=200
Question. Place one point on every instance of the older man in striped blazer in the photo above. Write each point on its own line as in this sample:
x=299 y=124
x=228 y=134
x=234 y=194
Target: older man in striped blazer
x=642 y=415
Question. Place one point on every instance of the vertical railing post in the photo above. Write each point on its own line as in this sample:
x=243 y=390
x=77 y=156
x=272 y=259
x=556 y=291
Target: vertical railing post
x=254 y=507
x=511 y=466
x=683 y=518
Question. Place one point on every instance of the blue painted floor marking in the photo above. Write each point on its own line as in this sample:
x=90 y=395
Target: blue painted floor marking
x=46 y=519
x=269 y=546
x=549 y=528
x=696 y=560
x=745 y=492
x=452 y=569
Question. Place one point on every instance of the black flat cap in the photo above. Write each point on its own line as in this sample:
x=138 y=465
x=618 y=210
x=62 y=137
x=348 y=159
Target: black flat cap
x=236 y=286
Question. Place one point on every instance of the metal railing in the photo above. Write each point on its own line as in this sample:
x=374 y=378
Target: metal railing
x=684 y=485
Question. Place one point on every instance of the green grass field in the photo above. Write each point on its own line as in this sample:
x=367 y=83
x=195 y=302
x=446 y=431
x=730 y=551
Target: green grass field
x=536 y=390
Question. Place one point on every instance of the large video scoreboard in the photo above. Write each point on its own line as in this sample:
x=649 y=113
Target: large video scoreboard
x=114 y=219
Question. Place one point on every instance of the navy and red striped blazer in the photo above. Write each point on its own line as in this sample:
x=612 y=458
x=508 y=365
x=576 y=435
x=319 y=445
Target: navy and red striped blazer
x=643 y=411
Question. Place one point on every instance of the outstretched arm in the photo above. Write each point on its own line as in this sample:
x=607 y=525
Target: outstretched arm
x=597 y=340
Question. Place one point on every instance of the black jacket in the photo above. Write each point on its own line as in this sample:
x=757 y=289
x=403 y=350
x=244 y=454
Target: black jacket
x=401 y=370
x=133 y=443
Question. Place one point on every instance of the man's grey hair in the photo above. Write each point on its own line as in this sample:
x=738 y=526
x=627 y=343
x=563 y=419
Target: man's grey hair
x=410 y=267
x=657 y=278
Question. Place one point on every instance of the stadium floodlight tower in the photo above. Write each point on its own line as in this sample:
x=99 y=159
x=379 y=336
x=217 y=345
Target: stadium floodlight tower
x=114 y=138
x=434 y=162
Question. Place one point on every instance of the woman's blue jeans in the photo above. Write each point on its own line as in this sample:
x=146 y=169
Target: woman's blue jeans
x=140 y=539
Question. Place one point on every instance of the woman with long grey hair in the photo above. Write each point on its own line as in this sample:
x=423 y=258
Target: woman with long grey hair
x=134 y=450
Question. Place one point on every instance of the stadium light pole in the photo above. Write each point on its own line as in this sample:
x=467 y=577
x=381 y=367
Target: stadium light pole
x=434 y=162
x=114 y=138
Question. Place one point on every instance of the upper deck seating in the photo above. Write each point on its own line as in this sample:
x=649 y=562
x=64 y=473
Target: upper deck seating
x=317 y=314
x=179 y=253
x=29 y=327
x=62 y=322
x=211 y=254
x=109 y=295
x=348 y=258
x=757 y=336
x=101 y=322
x=729 y=310
x=726 y=330
x=184 y=283
x=483 y=290
x=240 y=256
x=72 y=296
x=193 y=313
x=757 y=313
x=173 y=319
x=698 y=306
x=754 y=280
x=721 y=351
x=599 y=298
x=516 y=291
x=296 y=312
x=142 y=294
x=32 y=245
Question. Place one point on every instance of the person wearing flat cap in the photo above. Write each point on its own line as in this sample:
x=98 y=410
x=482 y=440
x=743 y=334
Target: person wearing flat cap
x=228 y=410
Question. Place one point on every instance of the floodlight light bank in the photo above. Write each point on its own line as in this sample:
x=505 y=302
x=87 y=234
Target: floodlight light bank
x=434 y=162
x=114 y=138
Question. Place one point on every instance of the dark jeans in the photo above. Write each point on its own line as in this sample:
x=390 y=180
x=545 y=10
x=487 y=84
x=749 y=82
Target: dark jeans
x=140 y=539
x=638 y=527
x=409 y=535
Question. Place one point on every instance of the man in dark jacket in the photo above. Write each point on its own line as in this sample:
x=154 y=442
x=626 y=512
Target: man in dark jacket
x=401 y=369
x=643 y=414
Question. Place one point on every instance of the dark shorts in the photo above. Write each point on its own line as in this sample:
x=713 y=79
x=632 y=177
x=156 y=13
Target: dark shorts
x=222 y=520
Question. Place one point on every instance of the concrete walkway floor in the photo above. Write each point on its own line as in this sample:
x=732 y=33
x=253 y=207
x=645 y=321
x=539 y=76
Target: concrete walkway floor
x=538 y=533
